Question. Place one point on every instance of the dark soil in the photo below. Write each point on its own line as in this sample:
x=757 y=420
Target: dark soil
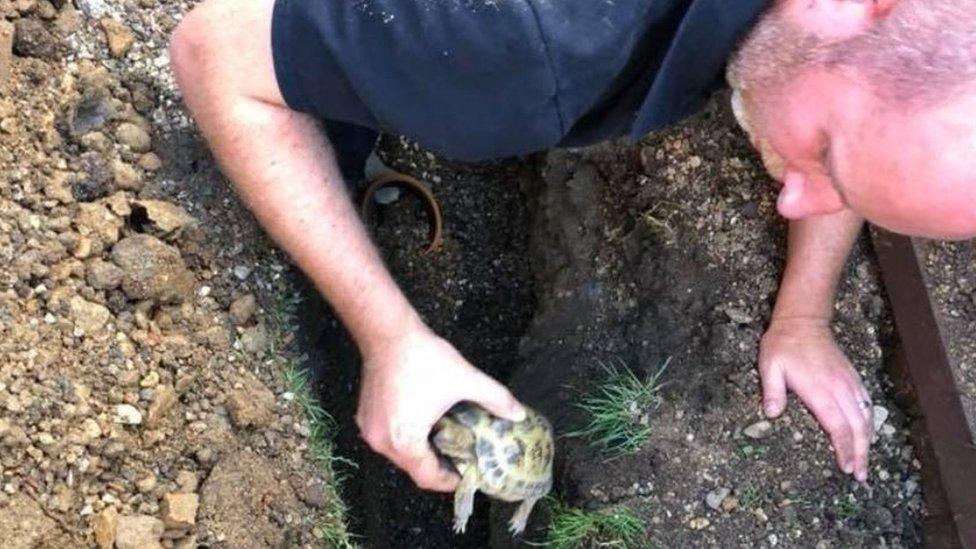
x=640 y=253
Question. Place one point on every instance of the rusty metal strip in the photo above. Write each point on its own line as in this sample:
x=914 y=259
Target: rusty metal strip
x=927 y=363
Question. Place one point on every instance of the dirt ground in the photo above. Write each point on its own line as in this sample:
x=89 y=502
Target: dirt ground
x=666 y=249
x=138 y=387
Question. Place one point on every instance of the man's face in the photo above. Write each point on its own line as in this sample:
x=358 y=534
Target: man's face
x=833 y=144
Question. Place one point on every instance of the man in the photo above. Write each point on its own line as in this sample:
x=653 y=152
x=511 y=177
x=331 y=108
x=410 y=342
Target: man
x=862 y=109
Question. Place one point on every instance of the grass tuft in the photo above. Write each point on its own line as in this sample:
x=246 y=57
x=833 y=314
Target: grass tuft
x=620 y=410
x=331 y=527
x=575 y=528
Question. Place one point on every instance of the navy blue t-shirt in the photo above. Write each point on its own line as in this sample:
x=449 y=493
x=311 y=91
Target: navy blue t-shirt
x=480 y=79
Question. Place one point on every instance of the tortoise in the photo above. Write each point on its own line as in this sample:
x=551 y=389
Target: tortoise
x=510 y=461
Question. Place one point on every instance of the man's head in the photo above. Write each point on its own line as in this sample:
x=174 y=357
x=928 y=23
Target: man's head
x=869 y=105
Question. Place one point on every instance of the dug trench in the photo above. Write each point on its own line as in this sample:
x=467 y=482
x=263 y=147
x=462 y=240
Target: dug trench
x=666 y=251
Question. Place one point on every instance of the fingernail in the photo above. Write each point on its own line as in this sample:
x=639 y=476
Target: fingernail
x=771 y=408
x=848 y=468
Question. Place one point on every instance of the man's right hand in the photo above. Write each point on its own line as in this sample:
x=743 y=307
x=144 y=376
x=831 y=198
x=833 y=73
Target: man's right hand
x=408 y=384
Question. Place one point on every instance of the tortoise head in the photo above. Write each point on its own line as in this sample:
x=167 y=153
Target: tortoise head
x=453 y=439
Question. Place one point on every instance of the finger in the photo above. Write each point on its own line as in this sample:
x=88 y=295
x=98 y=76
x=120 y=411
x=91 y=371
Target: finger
x=835 y=423
x=860 y=421
x=428 y=474
x=774 y=391
x=494 y=397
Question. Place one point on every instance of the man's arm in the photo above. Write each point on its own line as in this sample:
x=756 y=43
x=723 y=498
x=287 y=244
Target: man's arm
x=798 y=351
x=284 y=170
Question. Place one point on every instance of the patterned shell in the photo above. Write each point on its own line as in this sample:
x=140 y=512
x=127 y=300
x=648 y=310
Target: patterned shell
x=514 y=458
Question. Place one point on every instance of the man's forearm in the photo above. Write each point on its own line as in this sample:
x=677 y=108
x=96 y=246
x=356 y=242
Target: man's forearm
x=285 y=171
x=818 y=248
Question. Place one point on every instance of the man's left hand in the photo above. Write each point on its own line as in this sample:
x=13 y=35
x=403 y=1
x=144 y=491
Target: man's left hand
x=801 y=355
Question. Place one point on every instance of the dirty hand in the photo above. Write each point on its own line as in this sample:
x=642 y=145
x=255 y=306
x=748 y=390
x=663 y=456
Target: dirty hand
x=408 y=384
x=801 y=355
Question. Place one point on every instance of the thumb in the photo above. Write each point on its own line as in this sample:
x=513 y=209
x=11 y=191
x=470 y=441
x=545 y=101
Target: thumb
x=495 y=398
x=774 y=390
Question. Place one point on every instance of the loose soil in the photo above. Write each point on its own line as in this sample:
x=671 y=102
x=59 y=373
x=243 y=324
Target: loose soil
x=138 y=390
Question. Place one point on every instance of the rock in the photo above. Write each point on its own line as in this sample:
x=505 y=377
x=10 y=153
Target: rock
x=180 y=510
x=716 y=497
x=168 y=219
x=134 y=137
x=730 y=504
x=32 y=39
x=94 y=180
x=235 y=500
x=93 y=9
x=758 y=430
x=127 y=414
x=118 y=36
x=139 y=532
x=98 y=223
x=163 y=401
x=56 y=187
x=242 y=272
x=103 y=275
x=24 y=524
x=152 y=270
x=104 y=526
x=126 y=177
x=147 y=483
x=699 y=523
x=738 y=316
x=251 y=406
x=880 y=417
x=254 y=340
x=150 y=162
x=88 y=317
x=6 y=50
x=242 y=309
x=91 y=112
x=187 y=481
x=386 y=195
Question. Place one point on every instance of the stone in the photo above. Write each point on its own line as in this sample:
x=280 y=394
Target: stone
x=24 y=523
x=699 y=523
x=254 y=340
x=127 y=414
x=118 y=36
x=103 y=275
x=56 y=187
x=98 y=223
x=242 y=309
x=187 y=481
x=152 y=270
x=150 y=162
x=104 y=526
x=758 y=430
x=146 y=484
x=166 y=218
x=164 y=399
x=88 y=317
x=134 y=137
x=880 y=415
x=716 y=497
x=91 y=112
x=6 y=50
x=93 y=180
x=179 y=510
x=251 y=406
x=139 y=532
x=33 y=39
x=126 y=177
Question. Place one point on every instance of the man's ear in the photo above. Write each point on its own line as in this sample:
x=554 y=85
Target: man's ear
x=837 y=19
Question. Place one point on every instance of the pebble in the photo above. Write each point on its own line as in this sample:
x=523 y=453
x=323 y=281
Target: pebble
x=242 y=309
x=880 y=417
x=699 y=523
x=127 y=414
x=716 y=497
x=134 y=137
x=139 y=532
x=6 y=49
x=758 y=430
x=387 y=195
x=104 y=526
x=163 y=401
x=118 y=36
x=242 y=272
x=179 y=510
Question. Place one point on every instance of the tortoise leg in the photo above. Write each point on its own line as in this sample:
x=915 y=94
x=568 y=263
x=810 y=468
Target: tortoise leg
x=517 y=525
x=464 y=499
